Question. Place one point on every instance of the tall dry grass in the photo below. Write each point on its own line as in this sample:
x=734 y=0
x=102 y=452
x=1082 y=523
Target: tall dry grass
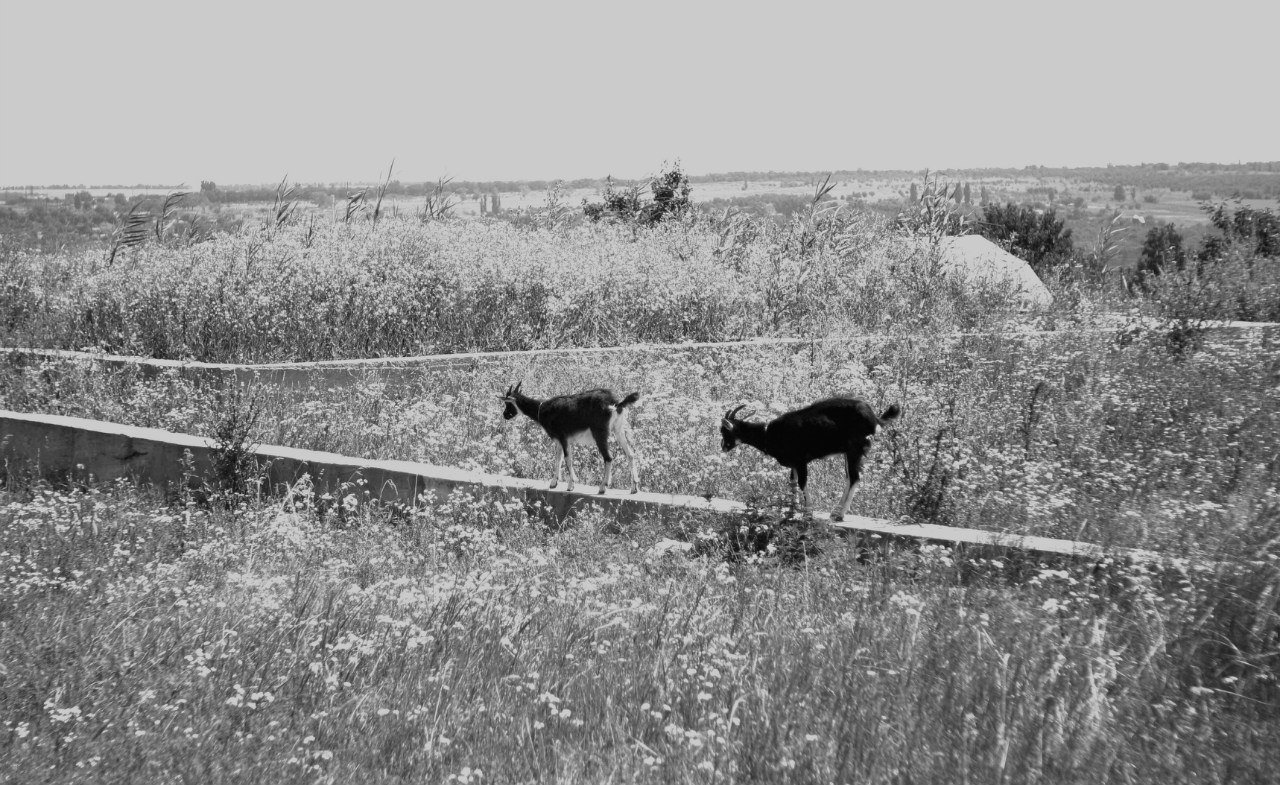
x=146 y=643
x=401 y=286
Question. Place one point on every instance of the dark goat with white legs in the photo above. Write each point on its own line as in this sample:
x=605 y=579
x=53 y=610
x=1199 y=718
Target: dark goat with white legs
x=587 y=416
x=828 y=427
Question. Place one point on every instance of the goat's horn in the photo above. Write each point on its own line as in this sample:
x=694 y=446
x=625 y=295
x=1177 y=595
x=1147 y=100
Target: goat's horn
x=729 y=414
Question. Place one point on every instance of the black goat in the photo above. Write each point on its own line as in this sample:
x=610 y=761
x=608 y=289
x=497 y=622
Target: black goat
x=586 y=416
x=828 y=427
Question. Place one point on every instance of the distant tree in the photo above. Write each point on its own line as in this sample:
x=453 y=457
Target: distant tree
x=1118 y=194
x=1133 y=194
x=915 y=193
x=984 y=196
x=1039 y=237
x=968 y=197
x=1162 y=251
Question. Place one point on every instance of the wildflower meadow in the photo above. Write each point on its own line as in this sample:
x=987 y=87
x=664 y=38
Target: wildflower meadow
x=147 y=641
x=223 y=635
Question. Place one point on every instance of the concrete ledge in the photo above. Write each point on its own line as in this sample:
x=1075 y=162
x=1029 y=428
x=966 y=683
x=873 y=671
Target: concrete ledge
x=61 y=448
x=338 y=373
x=70 y=447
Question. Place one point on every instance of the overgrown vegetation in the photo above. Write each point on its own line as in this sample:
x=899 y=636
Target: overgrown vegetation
x=1236 y=274
x=213 y=635
x=474 y=643
x=319 y=291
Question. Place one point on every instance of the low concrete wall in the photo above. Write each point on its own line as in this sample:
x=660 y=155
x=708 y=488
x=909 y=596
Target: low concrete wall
x=63 y=448
x=339 y=373
x=396 y=370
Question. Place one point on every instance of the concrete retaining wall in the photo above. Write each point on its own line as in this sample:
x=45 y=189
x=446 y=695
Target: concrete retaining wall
x=395 y=370
x=62 y=448
x=339 y=373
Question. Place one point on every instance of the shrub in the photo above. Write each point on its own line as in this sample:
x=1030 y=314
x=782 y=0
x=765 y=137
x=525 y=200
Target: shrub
x=1039 y=237
x=1236 y=275
x=1162 y=251
x=1256 y=230
x=670 y=199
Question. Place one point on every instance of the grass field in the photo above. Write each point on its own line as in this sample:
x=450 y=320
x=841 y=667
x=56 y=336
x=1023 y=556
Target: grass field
x=151 y=643
x=226 y=638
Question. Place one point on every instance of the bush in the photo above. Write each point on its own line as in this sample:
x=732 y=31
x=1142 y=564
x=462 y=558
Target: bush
x=1256 y=230
x=1236 y=275
x=1162 y=251
x=1232 y=284
x=670 y=191
x=1039 y=237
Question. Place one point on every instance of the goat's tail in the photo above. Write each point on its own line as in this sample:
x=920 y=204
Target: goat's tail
x=891 y=413
x=630 y=399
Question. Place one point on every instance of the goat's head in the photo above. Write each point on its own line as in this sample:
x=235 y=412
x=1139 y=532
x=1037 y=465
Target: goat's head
x=509 y=398
x=729 y=429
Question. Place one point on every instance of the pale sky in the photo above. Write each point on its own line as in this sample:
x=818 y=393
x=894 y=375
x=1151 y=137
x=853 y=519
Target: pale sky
x=134 y=91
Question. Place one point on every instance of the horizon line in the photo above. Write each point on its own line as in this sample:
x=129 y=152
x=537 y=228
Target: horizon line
x=725 y=174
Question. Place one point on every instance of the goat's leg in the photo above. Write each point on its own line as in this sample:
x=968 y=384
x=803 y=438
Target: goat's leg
x=601 y=435
x=854 y=460
x=568 y=459
x=628 y=449
x=558 y=458
x=802 y=480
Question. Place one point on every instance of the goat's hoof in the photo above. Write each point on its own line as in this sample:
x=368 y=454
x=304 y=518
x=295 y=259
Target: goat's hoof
x=836 y=517
x=635 y=490
x=600 y=492
x=553 y=485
